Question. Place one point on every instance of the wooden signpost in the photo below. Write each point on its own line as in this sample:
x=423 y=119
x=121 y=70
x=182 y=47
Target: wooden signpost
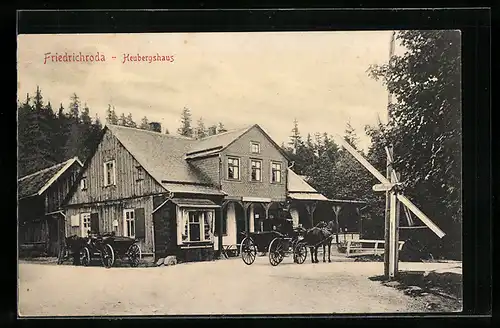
x=392 y=186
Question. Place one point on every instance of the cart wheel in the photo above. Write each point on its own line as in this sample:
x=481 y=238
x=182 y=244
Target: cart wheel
x=300 y=253
x=108 y=257
x=85 y=256
x=248 y=250
x=276 y=251
x=62 y=255
x=134 y=255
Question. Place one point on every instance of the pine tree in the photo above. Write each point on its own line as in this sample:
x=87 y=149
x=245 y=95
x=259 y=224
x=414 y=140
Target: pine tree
x=74 y=135
x=34 y=135
x=130 y=121
x=24 y=113
x=295 y=138
x=350 y=135
x=200 y=129
x=122 y=120
x=185 y=128
x=144 y=123
x=61 y=128
x=166 y=131
x=97 y=122
x=111 y=117
x=85 y=116
x=38 y=100
x=74 y=108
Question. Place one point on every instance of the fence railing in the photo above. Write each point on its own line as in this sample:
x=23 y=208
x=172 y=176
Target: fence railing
x=367 y=247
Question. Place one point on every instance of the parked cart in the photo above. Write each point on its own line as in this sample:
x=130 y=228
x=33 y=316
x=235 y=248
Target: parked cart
x=97 y=246
x=283 y=245
x=278 y=243
x=124 y=248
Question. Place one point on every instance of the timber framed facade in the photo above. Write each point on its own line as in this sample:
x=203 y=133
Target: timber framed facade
x=185 y=197
x=40 y=214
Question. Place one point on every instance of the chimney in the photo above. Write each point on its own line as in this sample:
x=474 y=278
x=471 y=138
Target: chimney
x=155 y=126
x=212 y=130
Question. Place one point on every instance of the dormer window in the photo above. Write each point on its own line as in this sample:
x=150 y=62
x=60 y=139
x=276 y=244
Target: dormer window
x=255 y=147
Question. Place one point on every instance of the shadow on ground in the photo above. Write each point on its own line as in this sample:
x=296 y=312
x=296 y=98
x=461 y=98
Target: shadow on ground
x=442 y=290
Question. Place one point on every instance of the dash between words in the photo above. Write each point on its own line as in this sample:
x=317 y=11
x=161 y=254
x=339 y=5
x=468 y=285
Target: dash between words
x=98 y=57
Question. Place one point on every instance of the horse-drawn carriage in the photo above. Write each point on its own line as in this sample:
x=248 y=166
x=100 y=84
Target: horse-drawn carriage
x=107 y=247
x=277 y=243
x=287 y=240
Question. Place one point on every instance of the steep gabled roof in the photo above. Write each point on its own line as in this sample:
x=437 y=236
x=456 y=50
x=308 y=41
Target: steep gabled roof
x=162 y=156
x=36 y=183
x=217 y=143
x=299 y=189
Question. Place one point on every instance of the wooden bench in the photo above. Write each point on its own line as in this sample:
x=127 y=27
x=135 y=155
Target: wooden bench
x=367 y=247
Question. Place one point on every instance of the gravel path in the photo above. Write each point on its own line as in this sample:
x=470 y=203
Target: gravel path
x=218 y=287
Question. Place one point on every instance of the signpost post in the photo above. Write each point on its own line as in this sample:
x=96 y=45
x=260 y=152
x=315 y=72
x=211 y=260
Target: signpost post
x=392 y=187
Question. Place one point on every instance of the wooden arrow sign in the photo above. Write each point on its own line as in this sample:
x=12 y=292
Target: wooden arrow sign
x=419 y=214
x=383 y=187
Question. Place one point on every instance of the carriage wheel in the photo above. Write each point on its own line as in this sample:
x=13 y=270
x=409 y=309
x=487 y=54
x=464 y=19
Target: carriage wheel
x=300 y=253
x=248 y=250
x=85 y=256
x=108 y=256
x=62 y=255
x=276 y=251
x=134 y=255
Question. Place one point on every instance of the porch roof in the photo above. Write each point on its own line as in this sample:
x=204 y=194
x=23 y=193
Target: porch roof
x=198 y=203
x=307 y=196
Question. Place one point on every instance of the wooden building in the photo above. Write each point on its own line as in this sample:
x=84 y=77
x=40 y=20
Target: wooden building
x=40 y=216
x=180 y=196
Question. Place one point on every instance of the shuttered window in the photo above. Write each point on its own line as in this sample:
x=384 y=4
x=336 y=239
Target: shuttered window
x=94 y=222
x=140 y=223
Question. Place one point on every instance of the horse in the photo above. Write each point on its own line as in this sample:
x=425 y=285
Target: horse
x=321 y=234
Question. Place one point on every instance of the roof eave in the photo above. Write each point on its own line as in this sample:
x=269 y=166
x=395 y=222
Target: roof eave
x=59 y=173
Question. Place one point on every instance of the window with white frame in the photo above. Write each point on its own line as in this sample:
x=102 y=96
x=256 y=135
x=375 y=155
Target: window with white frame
x=194 y=226
x=109 y=173
x=256 y=167
x=275 y=172
x=83 y=183
x=199 y=226
x=85 y=224
x=129 y=223
x=233 y=168
x=255 y=147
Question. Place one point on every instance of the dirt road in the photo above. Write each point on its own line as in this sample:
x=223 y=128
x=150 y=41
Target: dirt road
x=219 y=287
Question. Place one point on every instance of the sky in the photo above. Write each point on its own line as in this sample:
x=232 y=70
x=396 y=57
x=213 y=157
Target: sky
x=318 y=78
